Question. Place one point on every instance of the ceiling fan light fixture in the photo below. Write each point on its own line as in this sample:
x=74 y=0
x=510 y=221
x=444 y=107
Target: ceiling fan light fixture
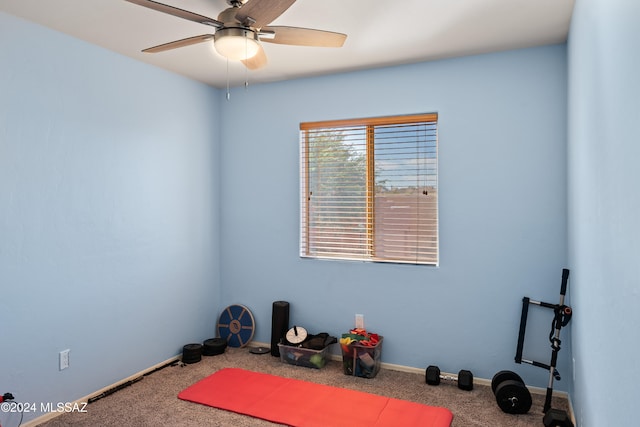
x=236 y=43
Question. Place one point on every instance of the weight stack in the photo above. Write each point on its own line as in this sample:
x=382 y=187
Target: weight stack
x=191 y=353
x=214 y=346
x=279 y=325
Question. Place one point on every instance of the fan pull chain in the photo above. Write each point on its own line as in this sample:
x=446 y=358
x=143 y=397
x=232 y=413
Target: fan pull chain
x=246 y=69
x=246 y=79
x=228 y=93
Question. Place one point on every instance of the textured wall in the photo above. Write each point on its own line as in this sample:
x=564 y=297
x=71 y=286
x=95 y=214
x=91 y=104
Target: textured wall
x=108 y=214
x=604 y=111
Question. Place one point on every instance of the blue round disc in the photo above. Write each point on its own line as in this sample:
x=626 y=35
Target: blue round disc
x=236 y=325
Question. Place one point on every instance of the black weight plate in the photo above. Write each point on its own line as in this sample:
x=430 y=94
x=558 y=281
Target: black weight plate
x=504 y=376
x=513 y=397
x=260 y=350
x=191 y=353
x=213 y=346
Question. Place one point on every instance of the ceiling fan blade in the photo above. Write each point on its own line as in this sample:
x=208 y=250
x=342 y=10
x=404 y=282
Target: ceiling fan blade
x=179 y=43
x=257 y=61
x=258 y=13
x=180 y=13
x=304 y=37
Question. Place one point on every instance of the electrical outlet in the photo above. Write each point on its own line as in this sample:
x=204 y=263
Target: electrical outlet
x=360 y=321
x=64 y=359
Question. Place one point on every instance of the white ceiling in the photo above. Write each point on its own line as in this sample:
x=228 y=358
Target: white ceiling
x=380 y=32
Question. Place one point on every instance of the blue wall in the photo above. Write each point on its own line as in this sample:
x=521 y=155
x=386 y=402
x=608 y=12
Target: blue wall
x=135 y=204
x=502 y=189
x=109 y=219
x=604 y=232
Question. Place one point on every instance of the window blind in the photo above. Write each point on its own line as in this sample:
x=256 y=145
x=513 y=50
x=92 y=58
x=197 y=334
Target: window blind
x=369 y=189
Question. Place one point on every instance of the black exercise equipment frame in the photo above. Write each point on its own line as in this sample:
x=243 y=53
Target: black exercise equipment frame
x=562 y=316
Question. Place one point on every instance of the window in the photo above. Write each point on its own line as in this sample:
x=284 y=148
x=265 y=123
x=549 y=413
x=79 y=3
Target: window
x=369 y=189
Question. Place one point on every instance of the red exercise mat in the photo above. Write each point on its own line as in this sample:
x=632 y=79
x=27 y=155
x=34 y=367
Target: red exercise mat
x=305 y=404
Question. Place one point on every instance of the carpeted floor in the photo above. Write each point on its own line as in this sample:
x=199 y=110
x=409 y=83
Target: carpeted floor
x=153 y=400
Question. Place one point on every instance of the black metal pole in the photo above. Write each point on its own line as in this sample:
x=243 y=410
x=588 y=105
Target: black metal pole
x=559 y=313
x=523 y=327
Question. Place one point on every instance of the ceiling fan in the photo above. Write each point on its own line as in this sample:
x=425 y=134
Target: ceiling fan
x=240 y=28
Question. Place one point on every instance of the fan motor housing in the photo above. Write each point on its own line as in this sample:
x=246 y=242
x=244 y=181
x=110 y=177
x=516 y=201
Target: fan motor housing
x=235 y=32
x=236 y=3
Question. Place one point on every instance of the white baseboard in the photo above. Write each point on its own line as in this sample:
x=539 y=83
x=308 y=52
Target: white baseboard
x=338 y=357
x=83 y=400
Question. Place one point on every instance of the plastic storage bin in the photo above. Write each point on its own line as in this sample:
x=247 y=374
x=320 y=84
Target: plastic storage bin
x=303 y=356
x=361 y=360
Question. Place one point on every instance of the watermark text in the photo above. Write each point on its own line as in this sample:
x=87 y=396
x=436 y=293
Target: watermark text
x=25 y=407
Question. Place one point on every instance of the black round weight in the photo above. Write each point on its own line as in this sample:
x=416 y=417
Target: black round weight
x=465 y=380
x=432 y=376
x=504 y=376
x=191 y=353
x=214 y=346
x=513 y=397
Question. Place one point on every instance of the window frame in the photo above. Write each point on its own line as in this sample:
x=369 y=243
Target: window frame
x=369 y=125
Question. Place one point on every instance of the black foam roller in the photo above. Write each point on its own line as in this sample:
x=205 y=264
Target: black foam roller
x=279 y=325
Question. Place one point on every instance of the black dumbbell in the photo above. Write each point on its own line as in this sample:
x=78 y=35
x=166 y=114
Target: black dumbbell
x=512 y=396
x=464 y=378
